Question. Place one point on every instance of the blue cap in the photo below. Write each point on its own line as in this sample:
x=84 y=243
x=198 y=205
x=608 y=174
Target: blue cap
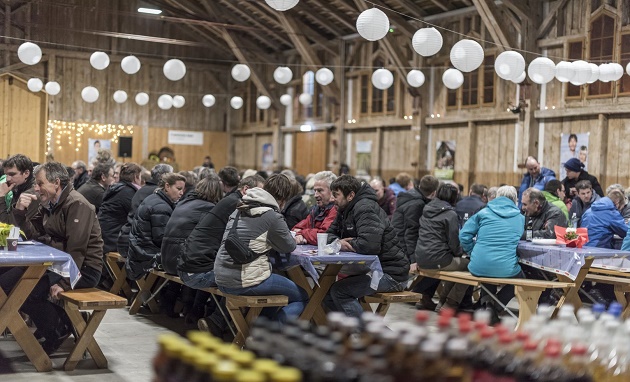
x=598 y=308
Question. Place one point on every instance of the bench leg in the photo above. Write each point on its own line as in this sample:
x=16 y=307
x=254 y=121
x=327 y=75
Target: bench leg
x=144 y=287
x=86 y=338
x=382 y=309
x=527 y=303
x=242 y=324
x=366 y=306
x=119 y=274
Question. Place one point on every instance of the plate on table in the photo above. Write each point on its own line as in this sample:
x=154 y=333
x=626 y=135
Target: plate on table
x=544 y=242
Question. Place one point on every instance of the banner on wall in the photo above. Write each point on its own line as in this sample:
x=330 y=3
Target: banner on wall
x=444 y=159
x=181 y=137
x=364 y=158
x=573 y=145
x=97 y=144
x=267 y=157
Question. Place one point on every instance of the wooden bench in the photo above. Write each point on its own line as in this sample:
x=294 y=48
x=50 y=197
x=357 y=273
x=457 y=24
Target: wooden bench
x=98 y=302
x=621 y=283
x=115 y=263
x=385 y=299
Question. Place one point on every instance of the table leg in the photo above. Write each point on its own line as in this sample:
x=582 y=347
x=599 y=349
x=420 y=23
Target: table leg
x=86 y=339
x=571 y=295
x=314 y=309
x=299 y=278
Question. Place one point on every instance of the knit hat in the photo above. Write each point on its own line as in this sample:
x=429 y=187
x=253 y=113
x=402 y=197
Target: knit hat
x=574 y=164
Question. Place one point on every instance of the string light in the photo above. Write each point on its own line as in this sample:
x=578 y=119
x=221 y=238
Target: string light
x=75 y=131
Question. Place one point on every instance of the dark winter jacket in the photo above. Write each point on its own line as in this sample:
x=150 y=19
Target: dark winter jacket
x=295 y=211
x=468 y=205
x=123 y=236
x=570 y=183
x=81 y=180
x=578 y=207
x=113 y=212
x=438 y=236
x=603 y=221
x=388 y=202
x=149 y=188
x=93 y=191
x=372 y=233
x=184 y=218
x=147 y=231
x=7 y=211
x=545 y=220
x=539 y=183
x=406 y=219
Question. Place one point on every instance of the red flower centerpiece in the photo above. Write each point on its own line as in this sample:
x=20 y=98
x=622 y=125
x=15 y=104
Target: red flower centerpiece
x=571 y=237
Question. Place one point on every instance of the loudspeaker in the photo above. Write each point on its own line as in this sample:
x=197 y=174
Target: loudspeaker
x=124 y=147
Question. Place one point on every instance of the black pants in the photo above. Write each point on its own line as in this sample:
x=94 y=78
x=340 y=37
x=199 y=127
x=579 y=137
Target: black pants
x=505 y=294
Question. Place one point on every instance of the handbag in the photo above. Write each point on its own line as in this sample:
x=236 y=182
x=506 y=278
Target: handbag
x=238 y=251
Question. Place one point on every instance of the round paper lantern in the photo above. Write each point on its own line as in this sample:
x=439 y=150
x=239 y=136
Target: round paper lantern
x=282 y=5
x=305 y=99
x=208 y=100
x=286 y=99
x=324 y=76
x=240 y=72
x=520 y=78
x=35 y=85
x=99 y=60
x=582 y=72
x=178 y=101
x=564 y=71
x=165 y=102
x=29 y=53
x=283 y=75
x=594 y=73
x=52 y=88
x=617 y=71
x=427 y=41
x=236 y=102
x=89 y=94
x=415 y=78
x=263 y=102
x=373 y=24
x=467 y=55
x=382 y=79
x=541 y=70
x=628 y=68
x=509 y=65
x=452 y=78
x=130 y=64
x=142 y=98
x=174 y=69
x=120 y=96
x=606 y=72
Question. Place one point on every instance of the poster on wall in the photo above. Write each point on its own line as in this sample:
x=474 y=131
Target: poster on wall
x=444 y=159
x=364 y=158
x=573 y=145
x=267 y=157
x=97 y=144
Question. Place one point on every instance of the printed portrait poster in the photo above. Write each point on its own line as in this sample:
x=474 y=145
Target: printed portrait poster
x=364 y=158
x=444 y=159
x=267 y=157
x=573 y=146
x=97 y=144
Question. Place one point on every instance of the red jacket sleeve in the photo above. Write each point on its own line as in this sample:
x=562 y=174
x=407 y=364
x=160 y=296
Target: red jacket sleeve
x=310 y=234
x=304 y=224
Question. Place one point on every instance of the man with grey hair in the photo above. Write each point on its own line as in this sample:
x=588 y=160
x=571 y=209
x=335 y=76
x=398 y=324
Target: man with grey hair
x=541 y=215
x=536 y=176
x=150 y=186
x=81 y=175
x=507 y=191
x=492 y=193
x=322 y=214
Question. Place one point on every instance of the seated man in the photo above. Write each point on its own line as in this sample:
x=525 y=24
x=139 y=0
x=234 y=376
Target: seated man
x=19 y=179
x=385 y=197
x=321 y=215
x=604 y=220
x=582 y=202
x=554 y=193
x=363 y=227
x=543 y=215
x=472 y=203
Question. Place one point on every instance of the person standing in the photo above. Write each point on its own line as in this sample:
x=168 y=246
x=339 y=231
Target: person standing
x=536 y=177
x=575 y=173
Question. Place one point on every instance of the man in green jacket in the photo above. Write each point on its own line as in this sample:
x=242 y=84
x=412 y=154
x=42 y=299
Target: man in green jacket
x=554 y=193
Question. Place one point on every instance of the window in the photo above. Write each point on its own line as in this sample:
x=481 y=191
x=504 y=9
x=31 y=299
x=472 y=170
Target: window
x=575 y=53
x=488 y=81
x=602 y=40
x=251 y=113
x=478 y=87
x=377 y=101
x=308 y=84
x=624 y=82
x=365 y=95
x=470 y=88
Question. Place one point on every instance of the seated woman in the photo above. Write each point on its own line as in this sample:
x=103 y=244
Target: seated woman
x=438 y=243
x=262 y=229
x=498 y=228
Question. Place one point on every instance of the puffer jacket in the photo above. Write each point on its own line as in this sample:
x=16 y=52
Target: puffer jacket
x=498 y=228
x=578 y=207
x=123 y=236
x=438 y=236
x=113 y=212
x=406 y=219
x=263 y=229
x=147 y=232
x=184 y=218
x=295 y=211
x=372 y=232
x=544 y=222
x=603 y=221
x=539 y=183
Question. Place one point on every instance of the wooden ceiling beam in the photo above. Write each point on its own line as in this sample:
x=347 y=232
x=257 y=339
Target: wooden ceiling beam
x=411 y=8
x=334 y=13
x=494 y=22
x=519 y=7
x=277 y=36
x=441 y=4
x=547 y=23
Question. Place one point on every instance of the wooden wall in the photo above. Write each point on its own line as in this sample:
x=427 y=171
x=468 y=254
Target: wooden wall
x=190 y=156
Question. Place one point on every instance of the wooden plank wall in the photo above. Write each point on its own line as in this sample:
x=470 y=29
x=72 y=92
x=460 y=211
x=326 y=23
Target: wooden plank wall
x=190 y=156
x=310 y=152
x=244 y=152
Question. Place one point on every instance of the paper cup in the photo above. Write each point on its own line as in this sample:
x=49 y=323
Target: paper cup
x=322 y=240
x=293 y=233
x=12 y=244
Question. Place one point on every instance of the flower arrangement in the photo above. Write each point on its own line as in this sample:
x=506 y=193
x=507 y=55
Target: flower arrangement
x=571 y=237
x=570 y=234
x=5 y=231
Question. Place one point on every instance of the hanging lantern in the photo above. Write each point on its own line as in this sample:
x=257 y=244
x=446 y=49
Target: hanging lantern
x=520 y=78
x=324 y=76
x=617 y=71
x=52 y=88
x=89 y=94
x=241 y=72
x=415 y=78
x=174 y=70
x=628 y=68
x=594 y=73
x=427 y=41
x=282 y=5
x=305 y=99
x=236 y=102
x=99 y=60
x=29 y=53
x=35 y=85
x=373 y=24
x=208 y=100
x=178 y=101
x=541 y=70
x=467 y=55
x=283 y=75
x=142 y=99
x=263 y=102
x=120 y=96
x=582 y=72
x=606 y=72
x=130 y=64
x=509 y=65
x=452 y=78
x=382 y=79
x=564 y=71
x=286 y=99
x=165 y=102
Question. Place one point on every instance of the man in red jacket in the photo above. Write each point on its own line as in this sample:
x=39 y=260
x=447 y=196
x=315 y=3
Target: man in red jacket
x=321 y=215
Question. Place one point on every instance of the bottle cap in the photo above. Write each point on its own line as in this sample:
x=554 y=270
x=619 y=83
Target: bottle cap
x=243 y=358
x=598 y=308
x=422 y=317
x=250 y=376
x=522 y=336
x=487 y=332
x=578 y=349
x=552 y=351
x=265 y=366
x=224 y=371
x=530 y=345
x=505 y=338
x=286 y=374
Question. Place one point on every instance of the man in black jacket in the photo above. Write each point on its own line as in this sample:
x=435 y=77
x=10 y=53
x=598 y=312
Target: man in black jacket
x=543 y=215
x=94 y=189
x=363 y=227
x=19 y=179
x=575 y=173
x=472 y=203
x=81 y=175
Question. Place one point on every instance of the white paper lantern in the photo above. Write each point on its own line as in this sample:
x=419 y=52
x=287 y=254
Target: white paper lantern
x=606 y=72
x=282 y=5
x=130 y=65
x=415 y=78
x=35 y=85
x=52 y=88
x=208 y=100
x=99 y=60
x=628 y=68
x=283 y=75
x=120 y=96
x=564 y=71
x=509 y=65
x=179 y=101
x=165 y=102
x=324 y=76
x=452 y=78
x=174 y=69
x=142 y=99
x=241 y=72
x=373 y=24
x=427 y=41
x=541 y=70
x=263 y=102
x=286 y=99
x=89 y=94
x=617 y=71
x=305 y=99
x=467 y=55
x=582 y=72
x=594 y=73
x=520 y=78
x=382 y=79
x=29 y=53
x=236 y=102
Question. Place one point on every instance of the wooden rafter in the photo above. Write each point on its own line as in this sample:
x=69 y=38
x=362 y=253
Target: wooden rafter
x=242 y=14
x=551 y=17
x=322 y=20
x=519 y=7
x=335 y=14
x=411 y=8
x=441 y=4
x=495 y=23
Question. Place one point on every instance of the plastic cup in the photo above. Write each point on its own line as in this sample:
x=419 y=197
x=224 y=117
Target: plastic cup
x=293 y=233
x=12 y=244
x=322 y=240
